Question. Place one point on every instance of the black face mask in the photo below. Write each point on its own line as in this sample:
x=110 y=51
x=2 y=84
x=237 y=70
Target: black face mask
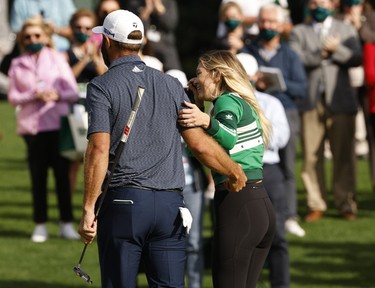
x=105 y=54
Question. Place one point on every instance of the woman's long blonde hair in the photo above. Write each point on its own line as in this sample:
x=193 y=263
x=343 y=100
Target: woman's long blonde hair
x=233 y=78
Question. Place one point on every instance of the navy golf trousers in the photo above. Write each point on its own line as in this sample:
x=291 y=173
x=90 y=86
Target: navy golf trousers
x=135 y=223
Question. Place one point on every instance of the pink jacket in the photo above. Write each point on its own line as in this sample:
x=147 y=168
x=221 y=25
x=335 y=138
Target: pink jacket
x=28 y=75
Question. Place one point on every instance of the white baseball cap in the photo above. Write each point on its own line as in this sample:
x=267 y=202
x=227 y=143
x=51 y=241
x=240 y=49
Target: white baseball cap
x=180 y=75
x=249 y=63
x=119 y=24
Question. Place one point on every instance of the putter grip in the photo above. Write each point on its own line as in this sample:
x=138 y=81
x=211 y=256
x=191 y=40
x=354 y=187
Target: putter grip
x=132 y=115
x=138 y=99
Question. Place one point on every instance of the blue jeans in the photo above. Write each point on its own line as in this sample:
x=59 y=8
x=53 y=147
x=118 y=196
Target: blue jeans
x=194 y=201
x=135 y=223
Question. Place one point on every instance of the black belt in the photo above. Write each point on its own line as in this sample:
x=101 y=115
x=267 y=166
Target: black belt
x=250 y=182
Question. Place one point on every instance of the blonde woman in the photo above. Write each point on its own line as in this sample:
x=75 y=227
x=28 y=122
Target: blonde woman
x=42 y=86
x=244 y=221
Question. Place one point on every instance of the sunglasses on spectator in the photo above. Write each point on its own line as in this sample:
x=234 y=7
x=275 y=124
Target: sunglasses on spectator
x=84 y=28
x=29 y=36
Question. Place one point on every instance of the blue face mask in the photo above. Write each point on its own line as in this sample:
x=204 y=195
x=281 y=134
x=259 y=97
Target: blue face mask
x=232 y=24
x=267 y=34
x=319 y=14
x=81 y=37
x=35 y=47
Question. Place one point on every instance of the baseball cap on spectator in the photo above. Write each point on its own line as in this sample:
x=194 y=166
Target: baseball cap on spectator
x=249 y=63
x=180 y=75
x=119 y=24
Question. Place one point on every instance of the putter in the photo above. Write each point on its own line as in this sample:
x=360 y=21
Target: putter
x=77 y=269
x=124 y=139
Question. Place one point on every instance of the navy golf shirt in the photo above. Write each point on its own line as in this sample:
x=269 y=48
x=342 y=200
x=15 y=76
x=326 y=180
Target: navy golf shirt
x=152 y=157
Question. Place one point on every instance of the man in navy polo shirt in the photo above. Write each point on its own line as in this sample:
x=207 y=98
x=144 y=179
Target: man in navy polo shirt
x=140 y=214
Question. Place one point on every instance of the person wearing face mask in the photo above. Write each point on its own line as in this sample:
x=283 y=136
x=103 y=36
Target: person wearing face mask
x=250 y=13
x=244 y=221
x=270 y=51
x=328 y=47
x=42 y=86
x=84 y=55
x=85 y=59
x=235 y=38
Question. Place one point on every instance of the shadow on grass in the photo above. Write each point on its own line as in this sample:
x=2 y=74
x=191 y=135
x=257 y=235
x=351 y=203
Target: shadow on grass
x=28 y=203
x=16 y=216
x=365 y=202
x=13 y=164
x=335 y=264
x=32 y=284
x=16 y=203
x=26 y=234
x=13 y=233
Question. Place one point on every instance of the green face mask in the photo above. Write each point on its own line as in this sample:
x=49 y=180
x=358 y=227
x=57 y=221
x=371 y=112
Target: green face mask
x=319 y=14
x=232 y=24
x=351 y=3
x=34 y=48
x=81 y=37
x=267 y=34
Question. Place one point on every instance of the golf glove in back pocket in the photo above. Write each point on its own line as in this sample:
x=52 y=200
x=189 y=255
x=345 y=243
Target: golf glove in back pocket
x=187 y=219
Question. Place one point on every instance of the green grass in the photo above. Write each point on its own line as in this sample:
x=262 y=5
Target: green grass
x=333 y=254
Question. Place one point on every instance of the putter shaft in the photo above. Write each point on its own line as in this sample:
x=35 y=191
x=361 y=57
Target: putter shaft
x=77 y=269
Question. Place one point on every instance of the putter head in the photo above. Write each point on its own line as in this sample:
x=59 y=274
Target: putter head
x=79 y=272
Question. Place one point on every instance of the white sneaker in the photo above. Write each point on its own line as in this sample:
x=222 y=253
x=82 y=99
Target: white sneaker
x=292 y=226
x=68 y=232
x=40 y=233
